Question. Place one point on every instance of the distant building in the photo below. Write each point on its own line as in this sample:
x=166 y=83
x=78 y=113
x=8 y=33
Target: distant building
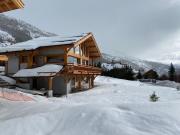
x=151 y=74
x=61 y=64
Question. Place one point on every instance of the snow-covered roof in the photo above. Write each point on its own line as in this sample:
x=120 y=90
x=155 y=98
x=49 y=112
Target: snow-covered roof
x=42 y=42
x=8 y=79
x=46 y=70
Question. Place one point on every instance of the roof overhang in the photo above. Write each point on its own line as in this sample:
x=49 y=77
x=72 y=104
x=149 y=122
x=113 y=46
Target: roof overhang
x=92 y=45
x=7 y=5
x=33 y=45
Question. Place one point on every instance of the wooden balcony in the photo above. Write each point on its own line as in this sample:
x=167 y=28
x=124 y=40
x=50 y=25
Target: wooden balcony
x=81 y=70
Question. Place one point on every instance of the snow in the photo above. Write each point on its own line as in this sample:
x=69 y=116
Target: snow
x=14 y=95
x=6 y=38
x=167 y=83
x=113 y=107
x=46 y=70
x=8 y=79
x=41 y=42
x=2 y=68
x=107 y=66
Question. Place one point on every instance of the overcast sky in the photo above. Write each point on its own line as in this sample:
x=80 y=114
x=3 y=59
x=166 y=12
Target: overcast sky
x=131 y=27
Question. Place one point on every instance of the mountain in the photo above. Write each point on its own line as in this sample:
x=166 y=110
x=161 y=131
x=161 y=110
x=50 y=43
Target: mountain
x=14 y=31
x=137 y=64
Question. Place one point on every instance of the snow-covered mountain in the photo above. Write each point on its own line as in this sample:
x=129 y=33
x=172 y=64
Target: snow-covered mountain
x=14 y=31
x=137 y=64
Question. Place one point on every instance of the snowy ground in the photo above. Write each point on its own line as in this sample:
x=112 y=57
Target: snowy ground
x=114 y=107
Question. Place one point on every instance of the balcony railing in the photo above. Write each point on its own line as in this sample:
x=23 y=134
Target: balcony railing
x=82 y=69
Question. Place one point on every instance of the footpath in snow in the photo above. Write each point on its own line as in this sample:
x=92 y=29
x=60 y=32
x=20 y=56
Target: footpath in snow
x=113 y=107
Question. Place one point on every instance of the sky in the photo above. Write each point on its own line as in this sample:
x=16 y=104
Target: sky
x=139 y=28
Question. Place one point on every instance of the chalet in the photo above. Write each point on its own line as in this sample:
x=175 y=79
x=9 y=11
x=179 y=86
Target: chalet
x=58 y=64
x=7 y=5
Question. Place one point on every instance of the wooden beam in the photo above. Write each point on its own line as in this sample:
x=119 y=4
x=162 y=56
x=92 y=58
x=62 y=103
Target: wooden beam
x=50 y=87
x=65 y=56
x=30 y=60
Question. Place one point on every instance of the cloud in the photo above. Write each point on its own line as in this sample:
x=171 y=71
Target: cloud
x=130 y=27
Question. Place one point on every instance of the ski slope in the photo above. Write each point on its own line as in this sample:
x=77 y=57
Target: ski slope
x=113 y=107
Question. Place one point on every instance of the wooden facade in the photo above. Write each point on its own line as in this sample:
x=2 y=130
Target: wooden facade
x=7 y=5
x=78 y=59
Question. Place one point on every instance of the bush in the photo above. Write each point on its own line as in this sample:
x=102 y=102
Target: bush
x=154 y=97
x=172 y=72
x=122 y=73
x=139 y=75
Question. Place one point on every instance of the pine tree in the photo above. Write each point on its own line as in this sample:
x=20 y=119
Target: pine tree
x=139 y=75
x=172 y=72
x=154 y=97
x=121 y=73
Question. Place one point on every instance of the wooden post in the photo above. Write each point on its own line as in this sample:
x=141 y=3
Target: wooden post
x=89 y=80
x=79 y=83
x=65 y=56
x=50 y=84
x=30 y=60
x=92 y=82
x=66 y=81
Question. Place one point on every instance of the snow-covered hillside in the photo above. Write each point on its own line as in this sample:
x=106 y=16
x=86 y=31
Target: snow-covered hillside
x=113 y=107
x=137 y=64
x=13 y=31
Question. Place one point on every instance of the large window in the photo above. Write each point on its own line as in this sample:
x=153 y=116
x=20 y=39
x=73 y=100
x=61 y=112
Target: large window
x=55 y=59
x=72 y=50
x=72 y=60
x=77 y=50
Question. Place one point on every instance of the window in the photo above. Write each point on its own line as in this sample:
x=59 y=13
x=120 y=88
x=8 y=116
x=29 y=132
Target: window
x=24 y=59
x=54 y=59
x=72 y=50
x=79 y=61
x=72 y=60
x=77 y=50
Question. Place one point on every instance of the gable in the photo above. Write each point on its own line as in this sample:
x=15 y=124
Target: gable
x=91 y=44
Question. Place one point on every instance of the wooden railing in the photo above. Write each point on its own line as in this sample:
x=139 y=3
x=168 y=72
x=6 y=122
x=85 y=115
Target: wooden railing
x=82 y=69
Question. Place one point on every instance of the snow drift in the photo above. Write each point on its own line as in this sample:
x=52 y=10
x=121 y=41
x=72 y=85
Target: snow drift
x=113 y=107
